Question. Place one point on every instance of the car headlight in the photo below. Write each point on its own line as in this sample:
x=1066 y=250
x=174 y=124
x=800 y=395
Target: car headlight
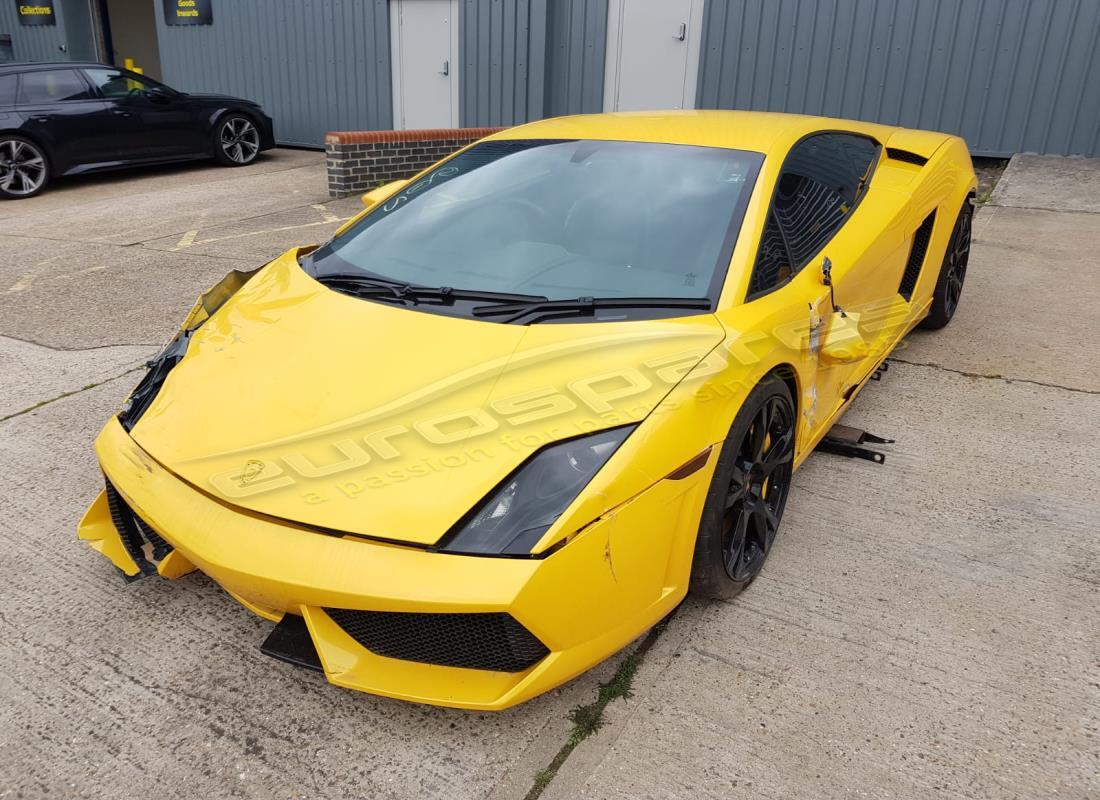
x=515 y=515
x=147 y=389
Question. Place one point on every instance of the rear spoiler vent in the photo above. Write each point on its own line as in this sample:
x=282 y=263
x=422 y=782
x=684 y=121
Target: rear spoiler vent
x=917 y=251
x=907 y=156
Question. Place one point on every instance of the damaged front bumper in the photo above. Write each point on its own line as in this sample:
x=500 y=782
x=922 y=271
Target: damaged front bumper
x=377 y=613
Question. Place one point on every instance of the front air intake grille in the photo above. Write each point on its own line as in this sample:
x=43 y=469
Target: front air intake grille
x=494 y=642
x=917 y=251
x=134 y=533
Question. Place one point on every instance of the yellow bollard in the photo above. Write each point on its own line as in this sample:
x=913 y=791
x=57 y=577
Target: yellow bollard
x=128 y=63
x=138 y=70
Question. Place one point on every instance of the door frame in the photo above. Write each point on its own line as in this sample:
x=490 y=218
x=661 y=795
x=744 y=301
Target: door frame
x=397 y=79
x=615 y=11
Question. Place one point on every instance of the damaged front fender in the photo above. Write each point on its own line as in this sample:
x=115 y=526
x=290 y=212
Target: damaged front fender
x=214 y=298
x=207 y=304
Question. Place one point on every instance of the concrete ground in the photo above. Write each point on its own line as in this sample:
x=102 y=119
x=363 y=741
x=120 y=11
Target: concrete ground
x=926 y=628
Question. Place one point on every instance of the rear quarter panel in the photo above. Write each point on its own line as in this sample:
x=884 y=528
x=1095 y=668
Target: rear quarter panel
x=942 y=184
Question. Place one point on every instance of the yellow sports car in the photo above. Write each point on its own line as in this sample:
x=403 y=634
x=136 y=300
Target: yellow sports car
x=510 y=414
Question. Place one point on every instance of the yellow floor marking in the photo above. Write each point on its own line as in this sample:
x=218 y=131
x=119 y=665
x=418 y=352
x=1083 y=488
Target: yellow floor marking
x=20 y=285
x=186 y=240
x=271 y=230
x=25 y=282
x=326 y=215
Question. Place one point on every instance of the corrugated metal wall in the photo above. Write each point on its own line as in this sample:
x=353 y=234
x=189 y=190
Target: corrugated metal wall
x=41 y=42
x=315 y=66
x=528 y=59
x=1008 y=75
x=575 y=51
x=503 y=54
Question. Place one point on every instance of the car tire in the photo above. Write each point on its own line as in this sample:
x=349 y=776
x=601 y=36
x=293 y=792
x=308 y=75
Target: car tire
x=24 y=167
x=744 y=505
x=949 y=284
x=236 y=140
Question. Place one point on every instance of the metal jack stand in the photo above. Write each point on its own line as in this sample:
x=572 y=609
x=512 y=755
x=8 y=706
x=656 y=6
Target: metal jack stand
x=845 y=441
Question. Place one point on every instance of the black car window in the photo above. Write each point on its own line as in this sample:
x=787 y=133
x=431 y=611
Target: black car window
x=7 y=89
x=822 y=179
x=51 y=86
x=773 y=264
x=114 y=83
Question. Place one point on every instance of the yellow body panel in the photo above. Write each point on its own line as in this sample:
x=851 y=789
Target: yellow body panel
x=463 y=402
x=276 y=429
x=587 y=600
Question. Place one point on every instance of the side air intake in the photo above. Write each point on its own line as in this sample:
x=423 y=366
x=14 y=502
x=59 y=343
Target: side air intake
x=917 y=251
x=905 y=155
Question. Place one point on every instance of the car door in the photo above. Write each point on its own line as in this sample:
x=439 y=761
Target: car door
x=817 y=212
x=9 y=83
x=857 y=236
x=60 y=110
x=152 y=121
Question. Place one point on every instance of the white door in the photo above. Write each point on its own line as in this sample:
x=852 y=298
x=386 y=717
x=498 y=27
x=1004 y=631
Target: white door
x=652 y=54
x=424 y=56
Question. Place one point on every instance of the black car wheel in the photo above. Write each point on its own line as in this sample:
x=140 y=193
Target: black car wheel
x=24 y=170
x=236 y=141
x=747 y=495
x=949 y=285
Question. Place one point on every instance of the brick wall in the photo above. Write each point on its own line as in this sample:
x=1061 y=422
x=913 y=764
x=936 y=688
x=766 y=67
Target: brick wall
x=358 y=161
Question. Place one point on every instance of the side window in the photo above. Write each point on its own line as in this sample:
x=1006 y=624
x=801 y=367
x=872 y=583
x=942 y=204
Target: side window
x=823 y=178
x=773 y=264
x=51 y=86
x=7 y=90
x=114 y=83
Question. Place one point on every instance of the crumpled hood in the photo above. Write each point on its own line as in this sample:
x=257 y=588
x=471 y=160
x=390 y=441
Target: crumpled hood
x=296 y=401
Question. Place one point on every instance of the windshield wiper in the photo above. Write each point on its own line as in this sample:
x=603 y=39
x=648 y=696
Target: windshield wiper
x=386 y=288
x=583 y=306
x=363 y=285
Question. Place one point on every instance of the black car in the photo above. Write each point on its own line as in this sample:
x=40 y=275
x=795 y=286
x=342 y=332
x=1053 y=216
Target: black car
x=68 y=118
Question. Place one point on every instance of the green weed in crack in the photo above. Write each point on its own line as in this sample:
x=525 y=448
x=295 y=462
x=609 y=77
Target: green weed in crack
x=588 y=719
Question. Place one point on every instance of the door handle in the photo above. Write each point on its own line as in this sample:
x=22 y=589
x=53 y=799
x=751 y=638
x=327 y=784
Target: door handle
x=681 y=33
x=446 y=68
x=118 y=112
x=40 y=118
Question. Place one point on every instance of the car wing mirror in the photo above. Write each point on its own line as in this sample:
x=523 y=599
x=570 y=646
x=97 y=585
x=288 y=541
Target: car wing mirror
x=158 y=95
x=375 y=196
x=843 y=343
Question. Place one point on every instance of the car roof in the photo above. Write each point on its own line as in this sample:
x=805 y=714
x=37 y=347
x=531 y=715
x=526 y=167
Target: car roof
x=761 y=131
x=27 y=66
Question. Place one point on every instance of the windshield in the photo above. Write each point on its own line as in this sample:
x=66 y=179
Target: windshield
x=559 y=220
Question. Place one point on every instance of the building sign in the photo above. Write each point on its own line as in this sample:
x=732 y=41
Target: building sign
x=188 y=12
x=35 y=12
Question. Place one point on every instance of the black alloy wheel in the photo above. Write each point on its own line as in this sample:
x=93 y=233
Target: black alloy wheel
x=949 y=286
x=760 y=480
x=748 y=493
